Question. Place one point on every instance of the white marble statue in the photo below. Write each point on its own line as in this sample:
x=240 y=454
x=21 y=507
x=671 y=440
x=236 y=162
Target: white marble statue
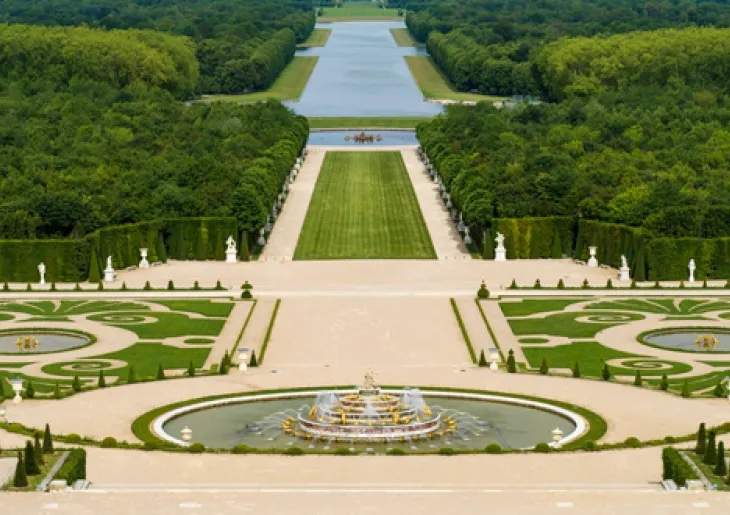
x=109 y=274
x=143 y=263
x=42 y=273
x=692 y=267
x=500 y=253
x=592 y=261
x=624 y=273
x=231 y=250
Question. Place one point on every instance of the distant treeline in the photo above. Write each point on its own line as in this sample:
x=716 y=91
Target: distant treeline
x=491 y=46
x=242 y=45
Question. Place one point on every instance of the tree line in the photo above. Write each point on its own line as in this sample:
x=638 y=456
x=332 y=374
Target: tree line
x=490 y=46
x=653 y=157
x=242 y=45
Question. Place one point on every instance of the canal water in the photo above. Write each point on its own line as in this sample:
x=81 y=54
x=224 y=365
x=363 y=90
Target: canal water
x=362 y=72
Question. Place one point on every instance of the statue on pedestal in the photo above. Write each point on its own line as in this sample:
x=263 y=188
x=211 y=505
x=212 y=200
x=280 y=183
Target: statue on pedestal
x=231 y=250
x=500 y=253
x=592 y=261
x=143 y=263
x=624 y=273
x=109 y=274
x=42 y=273
x=692 y=267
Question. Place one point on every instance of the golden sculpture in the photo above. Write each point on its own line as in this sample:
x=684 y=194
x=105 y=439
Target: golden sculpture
x=706 y=341
x=26 y=343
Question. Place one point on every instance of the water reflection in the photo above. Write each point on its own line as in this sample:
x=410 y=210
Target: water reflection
x=361 y=72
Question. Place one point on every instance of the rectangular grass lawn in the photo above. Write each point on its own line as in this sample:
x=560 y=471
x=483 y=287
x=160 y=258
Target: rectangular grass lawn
x=364 y=207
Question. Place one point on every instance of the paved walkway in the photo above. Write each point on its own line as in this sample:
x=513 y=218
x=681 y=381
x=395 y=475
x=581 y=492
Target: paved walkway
x=283 y=238
x=475 y=326
x=502 y=331
x=446 y=239
x=229 y=334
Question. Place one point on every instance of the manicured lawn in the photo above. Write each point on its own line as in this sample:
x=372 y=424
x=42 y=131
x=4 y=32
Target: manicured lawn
x=532 y=306
x=565 y=324
x=366 y=122
x=202 y=307
x=318 y=37
x=364 y=207
x=668 y=306
x=146 y=357
x=288 y=86
x=357 y=11
x=434 y=86
x=166 y=325
x=403 y=37
x=590 y=356
x=48 y=309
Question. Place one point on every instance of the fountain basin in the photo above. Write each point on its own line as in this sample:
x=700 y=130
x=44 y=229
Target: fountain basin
x=689 y=339
x=481 y=419
x=353 y=138
x=41 y=341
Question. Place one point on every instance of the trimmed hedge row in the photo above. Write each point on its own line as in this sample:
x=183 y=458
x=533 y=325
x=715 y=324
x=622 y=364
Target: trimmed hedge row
x=77 y=260
x=655 y=259
x=74 y=467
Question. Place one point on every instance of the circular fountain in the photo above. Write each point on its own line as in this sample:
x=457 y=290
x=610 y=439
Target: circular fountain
x=369 y=419
x=369 y=415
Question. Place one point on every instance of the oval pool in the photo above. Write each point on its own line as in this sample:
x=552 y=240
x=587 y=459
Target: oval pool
x=39 y=342
x=348 y=138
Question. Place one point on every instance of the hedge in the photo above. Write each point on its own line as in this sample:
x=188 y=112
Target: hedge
x=65 y=260
x=77 y=260
x=74 y=467
x=614 y=240
x=668 y=258
x=199 y=238
x=530 y=238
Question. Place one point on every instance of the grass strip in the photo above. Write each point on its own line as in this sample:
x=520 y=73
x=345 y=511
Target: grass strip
x=435 y=86
x=269 y=330
x=464 y=334
x=490 y=330
x=366 y=122
x=243 y=329
x=403 y=37
x=289 y=85
x=318 y=37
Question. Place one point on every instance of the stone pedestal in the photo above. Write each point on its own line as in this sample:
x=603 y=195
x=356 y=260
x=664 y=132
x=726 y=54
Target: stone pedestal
x=493 y=366
x=592 y=261
x=624 y=273
x=500 y=254
x=109 y=275
x=143 y=263
x=231 y=256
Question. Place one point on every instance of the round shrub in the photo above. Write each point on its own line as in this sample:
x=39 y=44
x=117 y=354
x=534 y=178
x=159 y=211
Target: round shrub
x=73 y=438
x=446 y=451
x=632 y=442
x=397 y=451
x=294 y=451
x=241 y=449
x=542 y=447
x=493 y=448
x=109 y=442
x=590 y=445
x=343 y=451
x=151 y=446
x=196 y=448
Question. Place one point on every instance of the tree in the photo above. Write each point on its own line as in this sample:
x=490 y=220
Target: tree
x=160 y=372
x=664 y=383
x=57 y=391
x=30 y=390
x=576 y=370
x=76 y=384
x=253 y=362
x=511 y=363
x=31 y=463
x=637 y=378
x=20 y=480
x=225 y=364
x=191 y=370
x=544 y=367
x=686 y=393
x=606 y=372
x=483 y=292
x=482 y=359
x=37 y=449
x=47 y=440
x=710 y=456
x=101 y=383
x=131 y=375
x=720 y=390
x=701 y=440
x=667 y=467
x=561 y=284
x=720 y=464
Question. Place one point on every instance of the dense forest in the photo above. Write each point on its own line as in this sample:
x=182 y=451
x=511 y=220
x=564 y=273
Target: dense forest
x=241 y=45
x=490 y=45
x=663 y=169
x=92 y=135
